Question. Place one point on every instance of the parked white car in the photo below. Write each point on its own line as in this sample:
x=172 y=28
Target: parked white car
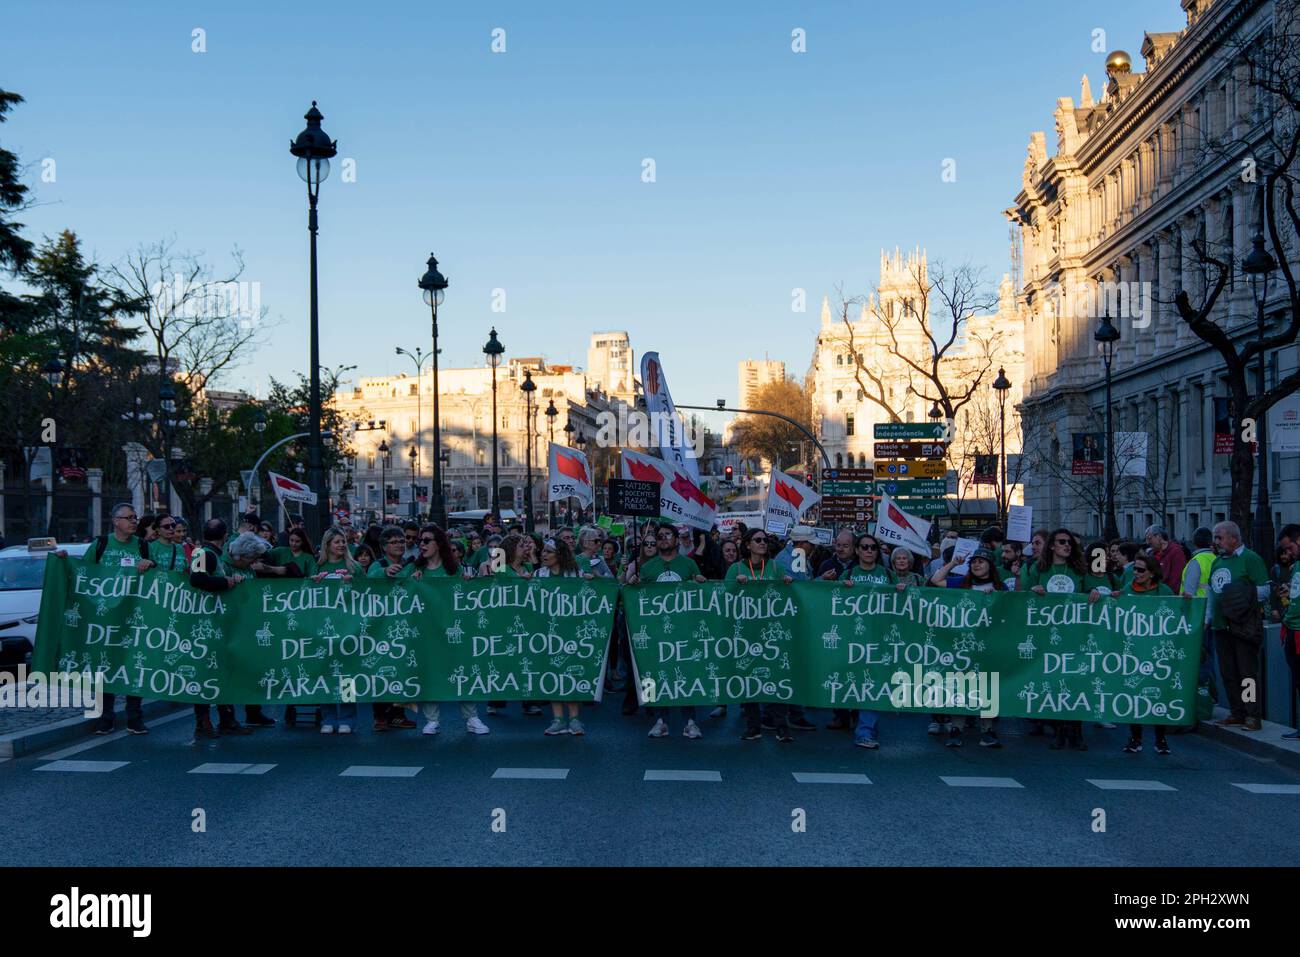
x=22 y=572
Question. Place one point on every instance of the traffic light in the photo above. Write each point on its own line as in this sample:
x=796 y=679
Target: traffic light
x=726 y=473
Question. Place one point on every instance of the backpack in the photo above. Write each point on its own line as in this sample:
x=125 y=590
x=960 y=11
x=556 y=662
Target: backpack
x=101 y=543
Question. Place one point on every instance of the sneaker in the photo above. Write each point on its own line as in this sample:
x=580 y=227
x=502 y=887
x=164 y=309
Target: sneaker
x=1162 y=746
x=752 y=734
x=575 y=727
x=871 y=744
x=532 y=710
x=954 y=738
x=784 y=736
x=236 y=729
x=104 y=725
x=475 y=726
x=204 y=729
x=1231 y=721
x=402 y=722
x=136 y=726
x=1292 y=736
x=802 y=724
x=1251 y=724
x=719 y=712
x=430 y=727
x=934 y=728
x=660 y=730
x=1134 y=746
x=989 y=739
x=692 y=730
x=327 y=729
x=557 y=726
x=345 y=729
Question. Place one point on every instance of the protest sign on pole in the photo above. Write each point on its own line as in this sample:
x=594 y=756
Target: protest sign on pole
x=569 y=475
x=1020 y=523
x=896 y=527
x=680 y=499
x=666 y=430
x=787 y=500
x=287 y=490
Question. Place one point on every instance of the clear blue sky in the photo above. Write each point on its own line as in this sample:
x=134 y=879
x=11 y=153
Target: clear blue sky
x=522 y=170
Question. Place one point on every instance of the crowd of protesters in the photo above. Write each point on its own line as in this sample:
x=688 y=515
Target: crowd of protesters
x=1244 y=590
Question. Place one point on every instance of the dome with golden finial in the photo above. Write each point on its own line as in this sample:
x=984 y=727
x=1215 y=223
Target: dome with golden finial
x=1118 y=62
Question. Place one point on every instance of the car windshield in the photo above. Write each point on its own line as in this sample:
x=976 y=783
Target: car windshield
x=24 y=573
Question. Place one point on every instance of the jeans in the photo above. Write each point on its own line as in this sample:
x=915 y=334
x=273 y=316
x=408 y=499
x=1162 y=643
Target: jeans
x=132 y=705
x=338 y=713
x=1135 y=732
x=754 y=714
x=868 y=726
x=431 y=710
x=1238 y=662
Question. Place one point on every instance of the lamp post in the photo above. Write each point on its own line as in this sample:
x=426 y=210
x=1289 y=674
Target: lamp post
x=314 y=150
x=1258 y=264
x=53 y=373
x=418 y=357
x=528 y=388
x=435 y=285
x=581 y=443
x=551 y=413
x=568 y=440
x=493 y=349
x=1002 y=384
x=1107 y=335
x=383 y=481
x=414 y=456
x=167 y=403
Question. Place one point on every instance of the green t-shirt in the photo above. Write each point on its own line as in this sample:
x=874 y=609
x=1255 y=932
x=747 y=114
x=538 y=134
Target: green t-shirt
x=336 y=569
x=679 y=569
x=439 y=572
x=283 y=556
x=766 y=571
x=1291 y=617
x=1128 y=576
x=507 y=571
x=124 y=554
x=169 y=557
x=1062 y=580
x=378 y=570
x=878 y=575
x=1229 y=569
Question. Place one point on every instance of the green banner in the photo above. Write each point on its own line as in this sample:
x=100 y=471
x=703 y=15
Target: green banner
x=824 y=644
x=292 y=642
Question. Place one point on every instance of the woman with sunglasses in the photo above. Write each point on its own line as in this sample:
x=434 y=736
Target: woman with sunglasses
x=756 y=565
x=868 y=569
x=168 y=551
x=390 y=565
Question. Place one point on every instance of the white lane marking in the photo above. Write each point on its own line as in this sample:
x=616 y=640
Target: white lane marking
x=818 y=777
x=977 y=782
x=682 y=776
x=115 y=736
x=1119 y=784
x=380 y=771
x=1270 y=788
x=218 y=768
x=532 y=774
x=82 y=766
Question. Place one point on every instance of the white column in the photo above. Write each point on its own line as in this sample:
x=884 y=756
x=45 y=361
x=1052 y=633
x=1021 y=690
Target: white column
x=136 y=456
x=205 y=489
x=95 y=482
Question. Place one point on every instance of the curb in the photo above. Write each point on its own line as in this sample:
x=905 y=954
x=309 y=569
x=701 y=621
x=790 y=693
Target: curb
x=21 y=743
x=1264 y=743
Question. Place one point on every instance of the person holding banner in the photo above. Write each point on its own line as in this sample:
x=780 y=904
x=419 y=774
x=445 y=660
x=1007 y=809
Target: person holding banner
x=390 y=565
x=902 y=564
x=755 y=547
x=558 y=562
x=866 y=733
x=335 y=560
x=1146 y=581
x=298 y=551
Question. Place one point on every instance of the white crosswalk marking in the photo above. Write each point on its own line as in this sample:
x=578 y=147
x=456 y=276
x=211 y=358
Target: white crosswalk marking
x=380 y=771
x=1270 y=788
x=217 y=768
x=100 y=766
x=819 y=777
x=532 y=774
x=978 y=782
x=1111 y=784
x=682 y=776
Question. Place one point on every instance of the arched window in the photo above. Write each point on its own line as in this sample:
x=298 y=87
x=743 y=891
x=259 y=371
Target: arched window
x=862 y=460
x=839 y=460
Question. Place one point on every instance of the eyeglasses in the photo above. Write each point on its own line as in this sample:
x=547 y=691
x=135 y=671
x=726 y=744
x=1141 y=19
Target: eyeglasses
x=427 y=540
x=758 y=540
x=395 y=540
x=1062 y=541
x=869 y=548
x=126 y=518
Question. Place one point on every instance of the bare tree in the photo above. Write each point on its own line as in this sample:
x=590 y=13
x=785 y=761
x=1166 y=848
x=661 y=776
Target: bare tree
x=200 y=324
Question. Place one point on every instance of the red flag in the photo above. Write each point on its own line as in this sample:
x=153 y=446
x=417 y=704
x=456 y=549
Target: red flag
x=573 y=468
x=898 y=518
x=789 y=494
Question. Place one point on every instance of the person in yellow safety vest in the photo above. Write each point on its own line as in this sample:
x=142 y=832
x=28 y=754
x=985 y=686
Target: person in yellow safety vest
x=1196 y=578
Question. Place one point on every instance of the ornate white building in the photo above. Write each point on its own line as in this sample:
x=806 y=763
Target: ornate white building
x=844 y=414
x=1135 y=178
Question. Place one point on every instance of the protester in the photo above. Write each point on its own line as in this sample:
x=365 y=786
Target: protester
x=589 y=558
x=1238 y=583
x=901 y=565
x=209 y=572
x=334 y=560
x=1169 y=554
x=298 y=551
x=390 y=565
x=559 y=562
x=168 y=551
x=754 y=548
x=1146 y=581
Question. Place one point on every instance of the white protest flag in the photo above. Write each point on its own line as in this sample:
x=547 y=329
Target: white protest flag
x=287 y=490
x=570 y=475
x=666 y=430
x=787 y=500
x=680 y=499
x=896 y=527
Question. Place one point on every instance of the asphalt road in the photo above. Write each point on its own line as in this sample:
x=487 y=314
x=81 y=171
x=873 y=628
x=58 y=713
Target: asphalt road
x=285 y=797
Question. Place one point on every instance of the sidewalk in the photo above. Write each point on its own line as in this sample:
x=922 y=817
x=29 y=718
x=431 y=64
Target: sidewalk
x=27 y=730
x=1265 y=743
